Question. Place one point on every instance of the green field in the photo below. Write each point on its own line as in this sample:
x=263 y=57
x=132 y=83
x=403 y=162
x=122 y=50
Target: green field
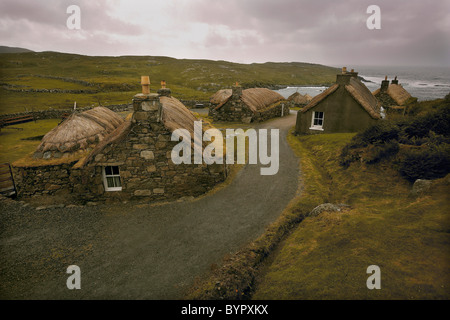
x=115 y=80
x=326 y=257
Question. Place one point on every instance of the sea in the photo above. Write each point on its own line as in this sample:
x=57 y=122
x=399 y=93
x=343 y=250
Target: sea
x=424 y=83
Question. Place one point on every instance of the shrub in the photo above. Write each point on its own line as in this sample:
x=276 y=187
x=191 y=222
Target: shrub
x=381 y=132
x=437 y=121
x=430 y=162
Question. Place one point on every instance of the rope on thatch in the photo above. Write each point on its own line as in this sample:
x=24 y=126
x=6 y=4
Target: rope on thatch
x=298 y=98
x=255 y=98
x=116 y=136
x=80 y=130
x=364 y=97
x=220 y=96
x=260 y=98
x=398 y=94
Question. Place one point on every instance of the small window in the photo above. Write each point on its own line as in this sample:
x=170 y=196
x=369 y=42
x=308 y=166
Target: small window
x=111 y=178
x=317 y=120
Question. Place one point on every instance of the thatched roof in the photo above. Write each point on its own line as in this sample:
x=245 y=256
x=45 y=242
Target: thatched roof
x=397 y=93
x=80 y=131
x=317 y=99
x=298 y=98
x=364 y=97
x=357 y=90
x=220 y=96
x=174 y=116
x=256 y=99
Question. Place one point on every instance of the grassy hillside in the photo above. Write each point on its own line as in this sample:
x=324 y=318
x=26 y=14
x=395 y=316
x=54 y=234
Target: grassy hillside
x=326 y=257
x=114 y=80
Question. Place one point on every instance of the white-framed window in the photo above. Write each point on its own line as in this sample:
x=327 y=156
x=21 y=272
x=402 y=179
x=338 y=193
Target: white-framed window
x=317 y=120
x=111 y=178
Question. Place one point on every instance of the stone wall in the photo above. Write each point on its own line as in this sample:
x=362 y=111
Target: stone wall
x=237 y=111
x=58 y=113
x=143 y=156
x=42 y=181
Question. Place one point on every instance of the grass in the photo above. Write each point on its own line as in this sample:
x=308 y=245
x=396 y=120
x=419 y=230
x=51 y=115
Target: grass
x=117 y=79
x=12 y=143
x=326 y=257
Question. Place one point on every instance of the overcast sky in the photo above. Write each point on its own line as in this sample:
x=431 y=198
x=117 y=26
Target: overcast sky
x=330 y=32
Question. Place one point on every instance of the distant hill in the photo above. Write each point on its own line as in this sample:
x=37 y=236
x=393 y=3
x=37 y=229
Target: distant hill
x=41 y=80
x=5 y=49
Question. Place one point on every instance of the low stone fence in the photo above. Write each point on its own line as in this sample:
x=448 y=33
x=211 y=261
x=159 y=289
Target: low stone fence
x=58 y=113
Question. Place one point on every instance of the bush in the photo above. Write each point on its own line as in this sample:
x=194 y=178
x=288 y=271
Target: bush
x=437 y=121
x=431 y=162
x=383 y=131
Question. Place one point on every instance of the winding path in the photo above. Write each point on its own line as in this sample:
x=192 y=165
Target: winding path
x=140 y=251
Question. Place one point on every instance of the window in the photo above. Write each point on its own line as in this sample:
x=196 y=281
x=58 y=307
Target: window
x=111 y=178
x=317 y=120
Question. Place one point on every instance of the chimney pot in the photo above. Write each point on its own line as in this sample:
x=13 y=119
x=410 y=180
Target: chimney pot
x=145 y=83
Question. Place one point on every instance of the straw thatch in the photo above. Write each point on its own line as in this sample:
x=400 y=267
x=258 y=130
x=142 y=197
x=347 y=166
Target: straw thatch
x=298 y=98
x=116 y=136
x=317 y=99
x=256 y=99
x=80 y=130
x=364 y=97
x=174 y=115
x=358 y=91
x=398 y=94
x=221 y=96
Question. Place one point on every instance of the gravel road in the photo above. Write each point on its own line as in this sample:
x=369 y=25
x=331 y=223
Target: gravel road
x=139 y=251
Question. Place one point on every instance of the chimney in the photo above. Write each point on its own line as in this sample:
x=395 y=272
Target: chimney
x=146 y=105
x=395 y=81
x=384 y=84
x=145 y=83
x=164 y=91
x=236 y=91
x=353 y=73
x=344 y=77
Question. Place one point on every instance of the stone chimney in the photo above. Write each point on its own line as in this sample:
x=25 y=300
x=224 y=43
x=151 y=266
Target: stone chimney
x=395 y=81
x=146 y=105
x=236 y=91
x=344 y=77
x=353 y=73
x=384 y=84
x=164 y=91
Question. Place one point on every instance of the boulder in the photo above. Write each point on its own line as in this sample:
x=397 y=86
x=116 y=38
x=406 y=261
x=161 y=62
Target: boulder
x=420 y=187
x=329 y=207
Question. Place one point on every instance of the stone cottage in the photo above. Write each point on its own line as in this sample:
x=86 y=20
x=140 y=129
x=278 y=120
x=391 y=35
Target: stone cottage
x=299 y=100
x=393 y=97
x=346 y=106
x=98 y=156
x=254 y=104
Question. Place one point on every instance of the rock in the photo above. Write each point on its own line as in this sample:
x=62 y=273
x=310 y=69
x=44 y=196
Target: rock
x=324 y=207
x=158 y=190
x=147 y=155
x=143 y=193
x=420 y=187
x=247 y=119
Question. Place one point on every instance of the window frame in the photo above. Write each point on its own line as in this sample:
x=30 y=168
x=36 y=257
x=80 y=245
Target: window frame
x=315 y=126
x=112 y=175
